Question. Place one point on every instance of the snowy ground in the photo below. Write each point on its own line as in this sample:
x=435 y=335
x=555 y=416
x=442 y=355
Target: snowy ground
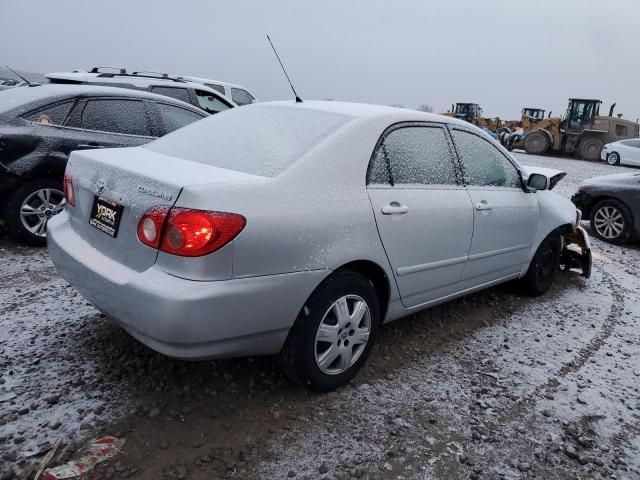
x=491 y=386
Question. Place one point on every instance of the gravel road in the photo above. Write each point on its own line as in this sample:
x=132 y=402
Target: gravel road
x=495 y=385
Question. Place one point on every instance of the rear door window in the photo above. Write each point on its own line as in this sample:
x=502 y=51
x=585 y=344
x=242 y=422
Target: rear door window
x=176 y=117
x=416 y=155
x=241 y=97
x=116 y=116
x=173 y=92
x=216 y=87
x=54 y=114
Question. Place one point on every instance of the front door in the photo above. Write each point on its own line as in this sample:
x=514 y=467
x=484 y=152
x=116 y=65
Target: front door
x=505 y=216
x=423 y=213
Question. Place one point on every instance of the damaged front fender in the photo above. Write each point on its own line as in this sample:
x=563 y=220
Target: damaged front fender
x=576 y=252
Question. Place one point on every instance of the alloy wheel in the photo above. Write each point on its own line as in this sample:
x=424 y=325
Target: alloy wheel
x=613 y=158
x=609 y=222
x=39 y=207
x=342 y=335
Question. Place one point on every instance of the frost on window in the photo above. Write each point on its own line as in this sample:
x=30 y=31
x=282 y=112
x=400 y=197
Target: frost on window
x=263 y=140
x=415 y=155
x=484 y=164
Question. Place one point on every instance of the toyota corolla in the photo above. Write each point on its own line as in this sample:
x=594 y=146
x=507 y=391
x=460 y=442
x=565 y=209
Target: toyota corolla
x=299 y=228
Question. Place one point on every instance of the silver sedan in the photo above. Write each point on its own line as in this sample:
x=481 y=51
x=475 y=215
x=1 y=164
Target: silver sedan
x=299 y=228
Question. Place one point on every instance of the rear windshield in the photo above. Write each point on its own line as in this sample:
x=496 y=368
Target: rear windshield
x=261 y=140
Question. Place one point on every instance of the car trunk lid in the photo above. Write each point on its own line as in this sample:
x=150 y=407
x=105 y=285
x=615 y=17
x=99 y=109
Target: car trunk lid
x=129 y=181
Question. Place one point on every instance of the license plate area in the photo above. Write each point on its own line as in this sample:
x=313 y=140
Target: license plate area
x=105 y=215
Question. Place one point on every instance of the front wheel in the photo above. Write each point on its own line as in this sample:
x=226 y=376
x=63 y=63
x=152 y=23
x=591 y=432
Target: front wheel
x=536 y=142
x=611 y=221
x=333 y=334
x=30 y=207
x=613 y=158
x=544 y=266
x=590 y=148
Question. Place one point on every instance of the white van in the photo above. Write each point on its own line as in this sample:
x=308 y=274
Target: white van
x=239 y=94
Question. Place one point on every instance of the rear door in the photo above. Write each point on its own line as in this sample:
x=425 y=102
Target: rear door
x=505 y=216
x=110 y=122
x=171 y=117
x=423 y=213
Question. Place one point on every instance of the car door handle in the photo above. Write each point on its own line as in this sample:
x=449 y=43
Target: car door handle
x=86 y=146
x=394 y=208
x=483 y=205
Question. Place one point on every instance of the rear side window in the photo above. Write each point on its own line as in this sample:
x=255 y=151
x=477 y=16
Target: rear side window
x=173 y=92
x=241 y=97
x=484 y=164
x=55 y=114
x=216 y=87
x=417 y=155
x=175 y=117
x=115 y=116
x=263 y=140
x=210 y=103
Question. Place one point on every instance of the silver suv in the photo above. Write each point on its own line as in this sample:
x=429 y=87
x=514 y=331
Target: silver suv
x=201 y=96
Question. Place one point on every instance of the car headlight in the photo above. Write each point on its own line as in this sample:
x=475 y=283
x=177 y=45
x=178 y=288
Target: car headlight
x=578 y=217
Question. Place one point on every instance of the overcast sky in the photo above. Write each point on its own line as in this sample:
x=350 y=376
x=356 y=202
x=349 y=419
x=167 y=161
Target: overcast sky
x=501 y=54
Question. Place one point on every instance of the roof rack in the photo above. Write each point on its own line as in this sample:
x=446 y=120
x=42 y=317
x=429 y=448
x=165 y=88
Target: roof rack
x=122 y=71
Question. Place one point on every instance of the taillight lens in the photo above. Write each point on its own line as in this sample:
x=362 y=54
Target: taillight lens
x=187 y=232
x=69 y=193
x=150 y=226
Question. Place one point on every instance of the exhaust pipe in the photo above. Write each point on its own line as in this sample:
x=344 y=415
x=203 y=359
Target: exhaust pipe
x=611 y=110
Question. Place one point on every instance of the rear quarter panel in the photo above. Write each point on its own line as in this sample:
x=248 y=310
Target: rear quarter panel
x=316 y=215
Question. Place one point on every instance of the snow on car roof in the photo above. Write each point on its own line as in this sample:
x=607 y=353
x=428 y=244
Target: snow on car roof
x=361 y=110
x=15 y=97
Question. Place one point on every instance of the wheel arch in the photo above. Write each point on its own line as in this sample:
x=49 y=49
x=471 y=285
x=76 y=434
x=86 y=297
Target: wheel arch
x=377 y=276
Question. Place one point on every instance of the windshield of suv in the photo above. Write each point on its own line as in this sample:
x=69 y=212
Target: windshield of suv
x=210 y=103
x=261 y=139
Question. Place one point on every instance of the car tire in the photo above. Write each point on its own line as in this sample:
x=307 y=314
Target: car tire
x=544 y=266
x=536 y=142
x=320 y=333
x=591 y=148
x=612 y=221
x=30 y=226
x=613 y=158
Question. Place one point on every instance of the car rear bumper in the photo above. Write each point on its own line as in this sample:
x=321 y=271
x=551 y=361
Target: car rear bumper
x=183 y=318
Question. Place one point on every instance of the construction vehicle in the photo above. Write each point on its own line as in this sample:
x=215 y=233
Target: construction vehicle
x=472 y=113
x=582 y=131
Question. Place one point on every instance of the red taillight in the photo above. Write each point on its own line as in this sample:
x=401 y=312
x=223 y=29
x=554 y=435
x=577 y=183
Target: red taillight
x=69 y=193
x=188 y=233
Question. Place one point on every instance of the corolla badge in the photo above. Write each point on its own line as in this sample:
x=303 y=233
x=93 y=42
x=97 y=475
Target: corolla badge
x=155 y=193
x=101 y=185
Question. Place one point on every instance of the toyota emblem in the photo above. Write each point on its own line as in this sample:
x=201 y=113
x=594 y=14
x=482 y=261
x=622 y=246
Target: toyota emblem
x=101 y=185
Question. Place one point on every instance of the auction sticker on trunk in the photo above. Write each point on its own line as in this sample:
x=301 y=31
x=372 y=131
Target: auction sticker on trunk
x=105 y=215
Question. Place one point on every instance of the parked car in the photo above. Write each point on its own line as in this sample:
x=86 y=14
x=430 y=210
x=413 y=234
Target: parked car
x=208 y=99
x=239 y=94
x=623 y=152
x=306 y=228
x=40 y=126
x=612 y=203
x=10 y=83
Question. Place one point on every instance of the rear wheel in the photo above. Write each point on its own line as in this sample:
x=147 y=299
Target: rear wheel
x=536 y=142
x=30 y=207
x=613 y=158
x=333 y=334
x=611 y=221
x=544 y=266
x=590 y=148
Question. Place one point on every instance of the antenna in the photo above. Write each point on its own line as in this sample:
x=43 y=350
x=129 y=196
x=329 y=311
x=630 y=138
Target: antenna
x=18 y=75
x=298 y=99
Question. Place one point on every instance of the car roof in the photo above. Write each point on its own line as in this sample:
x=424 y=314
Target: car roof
x=15 y=97
x=365 y=110
x=128 y=78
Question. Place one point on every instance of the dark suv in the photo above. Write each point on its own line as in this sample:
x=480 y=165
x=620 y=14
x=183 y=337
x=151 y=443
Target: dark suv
x=41 y=125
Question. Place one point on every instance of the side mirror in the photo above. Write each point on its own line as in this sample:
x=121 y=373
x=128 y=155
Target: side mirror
x=537 y=181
